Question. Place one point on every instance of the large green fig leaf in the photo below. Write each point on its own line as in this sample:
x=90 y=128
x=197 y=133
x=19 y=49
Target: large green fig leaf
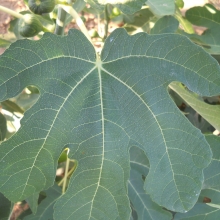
x=99 y=108
x=207 y=16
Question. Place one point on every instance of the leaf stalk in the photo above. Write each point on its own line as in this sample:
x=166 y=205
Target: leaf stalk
x=107 y=19
x=70 y=172
x=65 y=175
x=11 y=12
x=78 y=20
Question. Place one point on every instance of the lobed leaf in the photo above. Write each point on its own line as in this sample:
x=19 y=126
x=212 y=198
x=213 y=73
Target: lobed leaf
x=99 y=108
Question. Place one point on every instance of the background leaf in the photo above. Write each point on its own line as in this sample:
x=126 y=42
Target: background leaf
x=144 y=206
x=33 y=202
x=45 y=209
x=211 y=193
x=207 y=111
x=202 y=210
x=198 y=121
x=5 y=207
x=161 y=7
x=139 y=20
x=212 y=172
x=166 y=24
x=207 y=16
x=4 y=43
x=3 y=127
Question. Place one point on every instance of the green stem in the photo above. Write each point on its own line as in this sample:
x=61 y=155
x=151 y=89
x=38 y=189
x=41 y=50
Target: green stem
x=45 y=29
x=10 y=215
x=99 y=26
x=78 y=20
x=63 y=2
x=107 y=19
x=65 y=175
x=11 y=12
x=187 y=26
x=70 y=172
x=61 y=17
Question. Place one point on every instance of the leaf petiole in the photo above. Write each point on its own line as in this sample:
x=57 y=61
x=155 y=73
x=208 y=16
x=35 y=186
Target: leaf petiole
x=70 y=172
x=11 y=12
x=78 y=20
x=65 y=175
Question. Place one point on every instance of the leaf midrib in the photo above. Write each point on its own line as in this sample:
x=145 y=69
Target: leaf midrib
x=103 y=133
